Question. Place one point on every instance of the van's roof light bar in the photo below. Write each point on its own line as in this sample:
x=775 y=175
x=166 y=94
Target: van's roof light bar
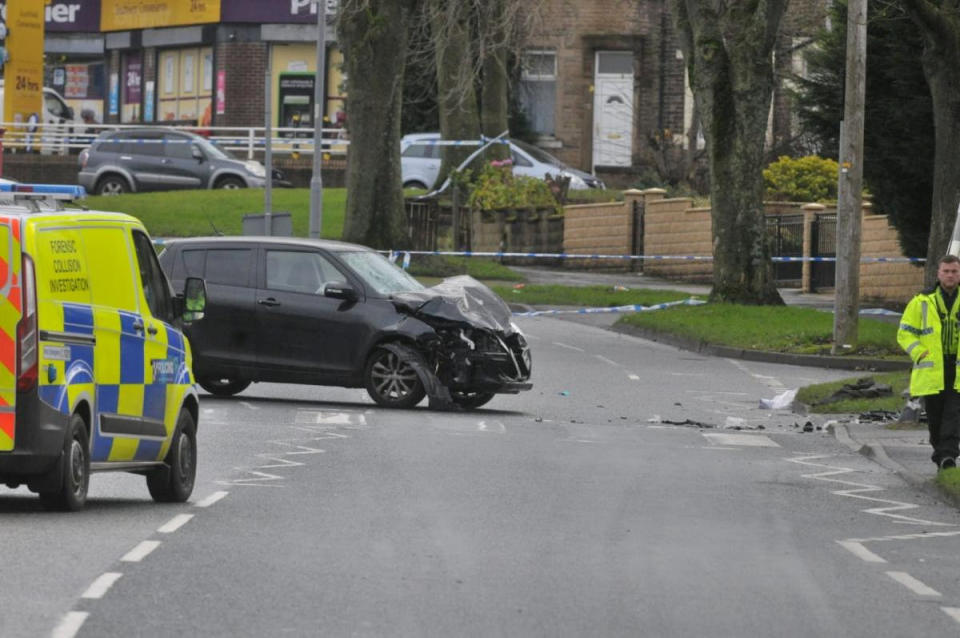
x=60 y=192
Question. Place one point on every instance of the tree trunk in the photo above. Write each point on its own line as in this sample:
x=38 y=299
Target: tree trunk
x=493 y=96
x=728 y=53
x=373 y=36
x=457 y=99
x=940 y=27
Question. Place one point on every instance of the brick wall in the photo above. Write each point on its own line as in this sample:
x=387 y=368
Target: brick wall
x=673 y=227
x=244 y=63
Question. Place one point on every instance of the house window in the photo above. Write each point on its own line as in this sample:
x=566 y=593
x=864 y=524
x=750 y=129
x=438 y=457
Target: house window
x=538 y=90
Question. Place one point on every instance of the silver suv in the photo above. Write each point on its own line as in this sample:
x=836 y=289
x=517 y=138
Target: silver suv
x=154 y=159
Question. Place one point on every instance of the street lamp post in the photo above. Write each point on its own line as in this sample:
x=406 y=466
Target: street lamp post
x=316 y=181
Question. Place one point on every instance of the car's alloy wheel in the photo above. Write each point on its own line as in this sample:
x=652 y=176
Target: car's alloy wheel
x=230 y=183
x=391 y=381
x=111 y=186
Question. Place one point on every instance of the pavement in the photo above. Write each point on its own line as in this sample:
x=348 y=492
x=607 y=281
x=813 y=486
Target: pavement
x=904 y=450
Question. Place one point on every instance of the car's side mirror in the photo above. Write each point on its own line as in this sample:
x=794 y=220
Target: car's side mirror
x=68 y=113
x=340 y=290
x=194 y=299
x=196 y=152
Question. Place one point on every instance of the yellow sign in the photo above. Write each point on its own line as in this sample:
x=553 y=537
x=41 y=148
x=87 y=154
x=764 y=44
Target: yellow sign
x=118 y=15
x=23 y=72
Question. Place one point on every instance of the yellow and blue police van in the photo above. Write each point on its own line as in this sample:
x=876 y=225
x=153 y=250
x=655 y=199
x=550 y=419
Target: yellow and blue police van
x=95 y=373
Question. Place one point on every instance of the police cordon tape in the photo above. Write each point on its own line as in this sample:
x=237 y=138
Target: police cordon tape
x=616 y=309
x=392 y=255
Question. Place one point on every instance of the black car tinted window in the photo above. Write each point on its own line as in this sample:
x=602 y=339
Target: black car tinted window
x=144 y=145
x=300 y=271
x=229 y=266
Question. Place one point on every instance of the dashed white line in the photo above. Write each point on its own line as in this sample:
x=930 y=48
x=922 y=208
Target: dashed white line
x=248 y=405
x=71 y=624
x=605 y=360
x=633 y=377
x=101 y=585
x=953 y=612
x=861 y=552
x=568 y=347
x=174 y=523
x=914 y=585
x=210 y=500
x=140 y=552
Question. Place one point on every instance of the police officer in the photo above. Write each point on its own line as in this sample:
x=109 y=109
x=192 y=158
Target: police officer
x=929 y=334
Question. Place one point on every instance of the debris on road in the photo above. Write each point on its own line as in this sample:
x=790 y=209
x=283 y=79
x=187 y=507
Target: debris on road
x=780 y=402
x=864 y=388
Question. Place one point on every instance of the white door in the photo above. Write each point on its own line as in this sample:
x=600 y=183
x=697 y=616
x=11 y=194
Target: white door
x=613 y=109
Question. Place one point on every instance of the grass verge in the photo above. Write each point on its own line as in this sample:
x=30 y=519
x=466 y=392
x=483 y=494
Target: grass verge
x=949 y=482
x=445 y=266
x=812 y=395
x=786 y=329
x=584 y=296
x=188 y=213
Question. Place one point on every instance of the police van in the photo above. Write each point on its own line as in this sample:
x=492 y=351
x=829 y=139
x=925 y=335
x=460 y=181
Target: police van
x=95 y=373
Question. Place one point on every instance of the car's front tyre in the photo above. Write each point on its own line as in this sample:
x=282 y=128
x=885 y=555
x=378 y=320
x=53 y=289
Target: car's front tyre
x=391 y=381
x=223 y=387
x=174 y=483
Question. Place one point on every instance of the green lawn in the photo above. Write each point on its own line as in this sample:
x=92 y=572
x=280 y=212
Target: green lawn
x=204 y=212
x=584 y=296
x=772 y=328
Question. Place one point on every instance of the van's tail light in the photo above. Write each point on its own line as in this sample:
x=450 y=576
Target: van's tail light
x=27 y=341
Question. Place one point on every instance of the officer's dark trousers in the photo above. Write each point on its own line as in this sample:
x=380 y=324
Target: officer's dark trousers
x=943 y=415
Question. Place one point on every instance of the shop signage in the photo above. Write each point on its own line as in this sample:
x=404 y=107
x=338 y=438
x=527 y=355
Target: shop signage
x=23 y=71
x=275 y=11
x=132 y=79
x=117 y=15
x=68 y=15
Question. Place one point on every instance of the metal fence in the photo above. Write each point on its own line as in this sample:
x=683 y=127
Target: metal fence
x=785 y=233
x=247 y=141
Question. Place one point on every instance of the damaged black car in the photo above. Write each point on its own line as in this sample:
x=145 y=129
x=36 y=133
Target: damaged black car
x=288 y=310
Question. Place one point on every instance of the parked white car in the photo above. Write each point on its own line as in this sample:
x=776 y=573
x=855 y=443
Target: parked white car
x=420 y=158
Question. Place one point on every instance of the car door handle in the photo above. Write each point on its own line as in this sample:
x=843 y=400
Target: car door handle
x=126 y=157
x=152 y=329
x=269 y=301
x=138 y=325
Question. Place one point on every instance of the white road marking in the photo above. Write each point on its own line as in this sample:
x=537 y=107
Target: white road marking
x=605 y=360
x=101 y=585
x=328 y=417
x=568 y=347
x=633 y=377
x=210 y=500
x=770 y=382
x=748 y=440
x=496 y=426
x=249 y=405
x=859 y=491
x=953 y=612
x=914 y=585
x=70 y=624
x=140 y=552
x=861 y=552
x=175 y=523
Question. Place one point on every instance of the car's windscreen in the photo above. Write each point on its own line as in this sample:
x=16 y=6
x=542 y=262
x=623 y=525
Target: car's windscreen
x=215 y=152
x=378 y=273
x=539 y=154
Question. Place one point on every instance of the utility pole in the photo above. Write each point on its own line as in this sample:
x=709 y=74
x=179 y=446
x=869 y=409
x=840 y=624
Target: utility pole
x=319 y=95
x=846 y=308
x=268 y=144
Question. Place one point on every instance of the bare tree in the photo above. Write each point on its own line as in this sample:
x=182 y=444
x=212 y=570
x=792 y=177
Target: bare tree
x=373 y=35
x=939 y=23
x=728 y=47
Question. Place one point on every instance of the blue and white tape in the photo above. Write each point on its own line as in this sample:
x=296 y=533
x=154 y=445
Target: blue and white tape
x=616 y=309
x=503 y=254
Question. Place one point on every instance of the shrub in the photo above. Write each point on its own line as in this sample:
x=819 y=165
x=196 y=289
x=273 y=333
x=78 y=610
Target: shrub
x=497 y=188
x=804 y=179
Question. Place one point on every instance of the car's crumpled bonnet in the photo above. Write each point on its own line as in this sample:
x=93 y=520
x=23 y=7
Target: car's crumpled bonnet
x=459 y=299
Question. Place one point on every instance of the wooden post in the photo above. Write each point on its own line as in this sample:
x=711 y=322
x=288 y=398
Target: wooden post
x=850 y=184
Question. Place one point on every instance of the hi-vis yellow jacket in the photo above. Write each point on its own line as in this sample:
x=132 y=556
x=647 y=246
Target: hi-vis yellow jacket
x=922 y=329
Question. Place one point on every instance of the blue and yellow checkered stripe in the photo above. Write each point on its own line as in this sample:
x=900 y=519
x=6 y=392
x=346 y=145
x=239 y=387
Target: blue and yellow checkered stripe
x=117 y=375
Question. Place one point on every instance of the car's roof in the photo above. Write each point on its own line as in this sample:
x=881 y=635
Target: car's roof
x=326 y=244
x=148 y=129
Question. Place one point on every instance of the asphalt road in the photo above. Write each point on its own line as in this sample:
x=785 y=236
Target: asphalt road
x=617 y=498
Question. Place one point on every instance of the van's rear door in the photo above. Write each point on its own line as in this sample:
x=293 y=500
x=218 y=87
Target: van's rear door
x=10 y=313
